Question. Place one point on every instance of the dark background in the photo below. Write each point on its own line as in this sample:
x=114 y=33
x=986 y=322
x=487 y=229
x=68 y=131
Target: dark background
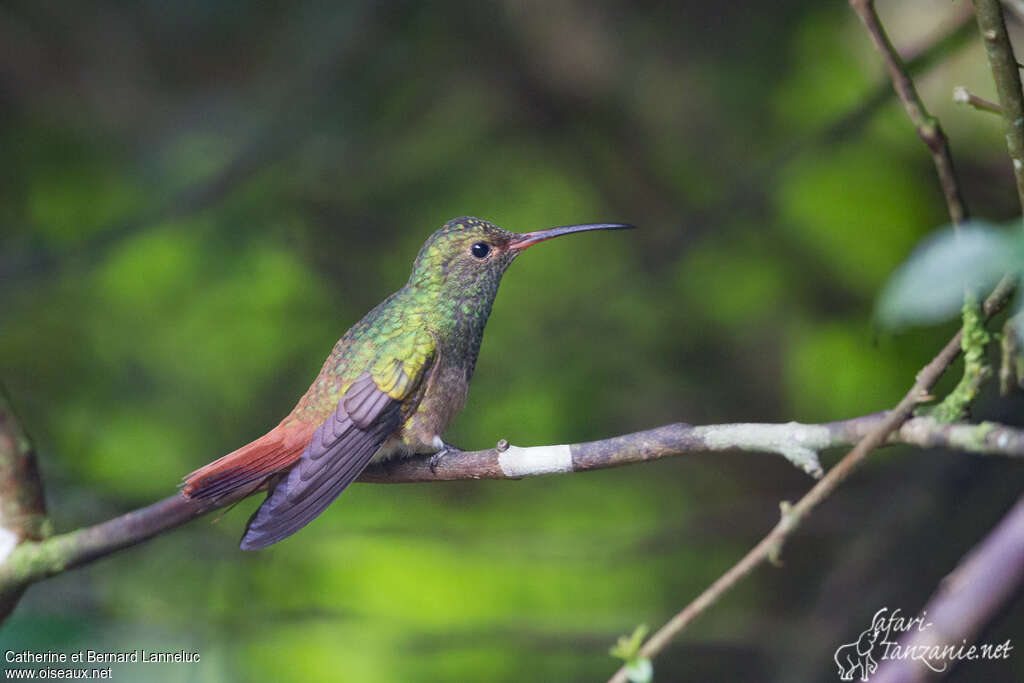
x=197 y=198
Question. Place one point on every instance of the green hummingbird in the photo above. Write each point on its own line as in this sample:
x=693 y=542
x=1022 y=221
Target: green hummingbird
x=389 y=388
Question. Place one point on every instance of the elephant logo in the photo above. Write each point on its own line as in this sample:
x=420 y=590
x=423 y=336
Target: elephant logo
x=856 y=658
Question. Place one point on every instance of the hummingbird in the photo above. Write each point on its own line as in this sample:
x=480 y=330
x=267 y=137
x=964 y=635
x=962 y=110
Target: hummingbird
x=390 y=387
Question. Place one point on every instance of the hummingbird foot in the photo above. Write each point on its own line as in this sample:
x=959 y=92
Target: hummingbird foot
x=446 y=449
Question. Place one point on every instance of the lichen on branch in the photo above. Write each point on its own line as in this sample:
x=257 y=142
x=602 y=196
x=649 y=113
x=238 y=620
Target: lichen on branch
x=973 y=342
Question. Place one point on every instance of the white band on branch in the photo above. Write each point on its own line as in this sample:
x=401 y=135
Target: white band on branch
x=518 y=461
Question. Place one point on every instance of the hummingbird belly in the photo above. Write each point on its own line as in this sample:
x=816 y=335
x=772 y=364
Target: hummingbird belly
x=443 y=398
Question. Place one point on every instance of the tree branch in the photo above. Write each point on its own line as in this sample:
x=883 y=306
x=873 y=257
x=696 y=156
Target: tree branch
x=770 y=546
x=800 y=443
x=1001 y=59
x=918 y=61
x=967 y=599
x=927 y=126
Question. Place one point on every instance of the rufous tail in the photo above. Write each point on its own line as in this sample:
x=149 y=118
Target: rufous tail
x=249 y=465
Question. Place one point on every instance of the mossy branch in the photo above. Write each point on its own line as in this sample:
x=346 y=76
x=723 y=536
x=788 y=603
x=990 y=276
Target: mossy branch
x=973 y=343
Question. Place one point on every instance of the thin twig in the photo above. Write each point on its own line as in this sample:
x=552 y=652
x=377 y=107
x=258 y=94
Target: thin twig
x=769 y=546
x=917 y=63
x=1003 y=63
x=927 y=126
x=961 y=95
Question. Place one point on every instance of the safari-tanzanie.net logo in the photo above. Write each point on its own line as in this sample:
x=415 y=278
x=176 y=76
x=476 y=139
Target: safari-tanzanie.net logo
x=859 y=659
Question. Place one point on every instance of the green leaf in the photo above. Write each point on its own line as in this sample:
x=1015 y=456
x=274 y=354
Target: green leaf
x=627 y=646
x=640 y=670
x=929 y=286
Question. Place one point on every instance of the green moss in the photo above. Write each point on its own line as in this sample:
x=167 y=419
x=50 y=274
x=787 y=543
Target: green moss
x=974 y=341
x=32 y=561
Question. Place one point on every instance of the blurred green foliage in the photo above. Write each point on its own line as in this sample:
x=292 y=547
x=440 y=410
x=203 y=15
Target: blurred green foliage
x=199 y=198
x=969 y=258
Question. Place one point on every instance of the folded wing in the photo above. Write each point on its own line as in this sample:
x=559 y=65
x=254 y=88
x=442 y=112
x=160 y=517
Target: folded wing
x=367 y=414
x=339 y=451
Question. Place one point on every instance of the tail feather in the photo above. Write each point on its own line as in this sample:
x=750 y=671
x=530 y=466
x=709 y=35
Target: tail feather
x=276 y=450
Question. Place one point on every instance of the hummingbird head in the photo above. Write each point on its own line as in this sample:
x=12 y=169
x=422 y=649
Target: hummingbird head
x=468 y=256
x=463 y=252
x=459 y=268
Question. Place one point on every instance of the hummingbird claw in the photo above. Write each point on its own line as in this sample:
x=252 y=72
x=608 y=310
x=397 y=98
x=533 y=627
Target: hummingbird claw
x=446 y=449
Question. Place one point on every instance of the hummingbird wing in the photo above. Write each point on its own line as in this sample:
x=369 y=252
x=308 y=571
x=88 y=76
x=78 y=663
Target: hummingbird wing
x=280 y=448
x=369 y=411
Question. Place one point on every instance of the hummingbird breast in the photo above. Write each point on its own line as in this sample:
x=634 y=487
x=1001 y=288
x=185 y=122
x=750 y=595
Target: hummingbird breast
x=447 y=385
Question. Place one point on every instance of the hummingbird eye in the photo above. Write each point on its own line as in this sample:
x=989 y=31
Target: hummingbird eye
x=480 y=250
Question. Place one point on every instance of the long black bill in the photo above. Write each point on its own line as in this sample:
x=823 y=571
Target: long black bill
x=530 y=238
